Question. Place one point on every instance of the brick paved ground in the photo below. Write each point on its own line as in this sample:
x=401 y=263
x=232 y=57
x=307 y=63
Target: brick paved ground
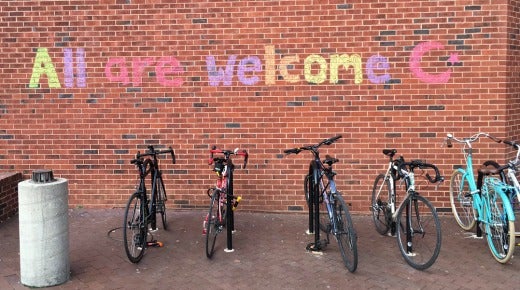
x=269 y=254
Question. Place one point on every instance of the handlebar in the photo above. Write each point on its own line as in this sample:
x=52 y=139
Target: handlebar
x=422 y=165
x=152 y=152
x=515 y=162
x=512 y=144
x=313 y=148
x=469 y=140
x=227 y=153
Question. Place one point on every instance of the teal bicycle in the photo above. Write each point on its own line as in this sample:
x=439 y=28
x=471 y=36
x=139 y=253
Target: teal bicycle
x=484 y=202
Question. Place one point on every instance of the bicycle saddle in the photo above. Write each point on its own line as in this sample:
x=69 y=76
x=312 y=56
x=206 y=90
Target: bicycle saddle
x=488 y=171
x=389 y=152
x=330 y=160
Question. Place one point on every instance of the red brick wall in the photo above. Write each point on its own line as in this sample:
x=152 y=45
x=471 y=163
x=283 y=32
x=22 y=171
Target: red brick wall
x=85 y=84
x=9 y=194
x=513 y=67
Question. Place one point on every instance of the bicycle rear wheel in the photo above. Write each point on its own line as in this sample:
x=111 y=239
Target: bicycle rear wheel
x=419 y=232
x=161 y=202
x=213 y=223
x=380 y=208
x=461 y=201
x=134 y=228
x=499 y=226
x=345 y=233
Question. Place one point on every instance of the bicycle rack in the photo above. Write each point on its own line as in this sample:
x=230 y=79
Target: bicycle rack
x=230 y=216
x=314 y=220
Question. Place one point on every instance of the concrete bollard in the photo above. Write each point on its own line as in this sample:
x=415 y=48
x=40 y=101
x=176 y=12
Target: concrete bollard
x=44 y=230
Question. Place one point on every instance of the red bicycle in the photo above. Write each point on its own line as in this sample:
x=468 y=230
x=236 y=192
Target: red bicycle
x=223 y=202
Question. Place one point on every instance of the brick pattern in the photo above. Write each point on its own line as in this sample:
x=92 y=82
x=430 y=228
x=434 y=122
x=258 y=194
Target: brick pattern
x=86 y=84
x=9 y=194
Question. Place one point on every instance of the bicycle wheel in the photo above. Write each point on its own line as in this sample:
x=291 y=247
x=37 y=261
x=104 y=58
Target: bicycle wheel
x=461 y=201
x=345 y=233
x=381 y=211
x=306 y=186
x=419 y=232
x=499 y=225
x=324 y=219
x=134 y=228
x=213 y=223
x=161 y=202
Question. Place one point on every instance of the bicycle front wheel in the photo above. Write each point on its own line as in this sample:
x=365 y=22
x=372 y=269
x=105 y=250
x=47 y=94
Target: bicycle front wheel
x=345 y=233
x=134 y=228
x=213 y=223
x=462 y=201
x=380 y=208
x=499 y=225
x=419 y=232
x=161 y=202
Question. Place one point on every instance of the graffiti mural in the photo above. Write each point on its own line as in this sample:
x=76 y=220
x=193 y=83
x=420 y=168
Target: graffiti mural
x=272 y=69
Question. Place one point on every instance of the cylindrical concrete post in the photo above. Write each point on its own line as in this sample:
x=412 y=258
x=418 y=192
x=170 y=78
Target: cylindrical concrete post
x=44 y=231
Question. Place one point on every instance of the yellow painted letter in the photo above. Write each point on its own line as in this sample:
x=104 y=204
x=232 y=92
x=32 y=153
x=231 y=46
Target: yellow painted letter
x=284 y=63
x=322 y=74
x=43 y=65
x=346 y=61
x=270 y=69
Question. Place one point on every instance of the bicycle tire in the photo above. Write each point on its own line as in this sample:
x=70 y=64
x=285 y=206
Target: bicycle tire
x=134 y=228
x=425 y=231
x=213 y=223
x=306 y=185
x=500 y=226
x=461 y=201
x=345 y=235
x=161 y=202
x=381 y=211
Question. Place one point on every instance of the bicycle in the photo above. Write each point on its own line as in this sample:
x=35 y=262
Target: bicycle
x=483 y=202
x=320 y=191
x=223 y=202
x=419 y=237
x=507 y=173
x=141 y=210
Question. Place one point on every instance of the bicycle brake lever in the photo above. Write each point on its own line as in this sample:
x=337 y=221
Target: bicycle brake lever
x=439 y=183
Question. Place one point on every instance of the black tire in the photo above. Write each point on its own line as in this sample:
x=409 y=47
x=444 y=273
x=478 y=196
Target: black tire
x=213 y=223
x=306 y=186
x=424 y=229
x=380 y=208
x=345 y=234
x=134 y=228
x=161 y=202
x=461 y=201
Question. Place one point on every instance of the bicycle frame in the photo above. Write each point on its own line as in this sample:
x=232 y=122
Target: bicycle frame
x=331 y=185
x=150 y=204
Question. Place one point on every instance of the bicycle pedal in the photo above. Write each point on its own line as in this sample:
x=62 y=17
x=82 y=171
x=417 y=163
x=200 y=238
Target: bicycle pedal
x=474 y=236
x=154 y=244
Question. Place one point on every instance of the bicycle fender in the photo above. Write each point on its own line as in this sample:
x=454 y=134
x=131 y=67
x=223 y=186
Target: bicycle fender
x=506 y=201
x=313 y=169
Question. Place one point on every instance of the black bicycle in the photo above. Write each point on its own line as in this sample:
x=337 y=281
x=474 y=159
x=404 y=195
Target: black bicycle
x=140 y=210
x=333 y=217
